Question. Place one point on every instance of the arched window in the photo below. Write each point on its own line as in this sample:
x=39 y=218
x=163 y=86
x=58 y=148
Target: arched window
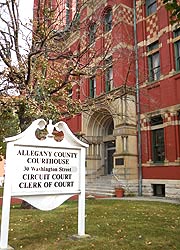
x=108 y=20
x=111 y=128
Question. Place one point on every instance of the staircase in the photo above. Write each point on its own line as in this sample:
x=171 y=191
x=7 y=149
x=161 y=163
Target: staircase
x=101 y=187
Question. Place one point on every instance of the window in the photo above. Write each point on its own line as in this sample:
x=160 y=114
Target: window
x=158 y=190
x=67 y=12
x=178 y=115
x=77 y=4
x=69 y=90
x=108 y=20
x=110 y=128
x=177 y=48
x=92 y=84
x=158 y=145
x=154 y=62
x=158 y=148
x=92 y=33
x=75 y=15
x=151 y=7
x=108 y=74
x=70 y=93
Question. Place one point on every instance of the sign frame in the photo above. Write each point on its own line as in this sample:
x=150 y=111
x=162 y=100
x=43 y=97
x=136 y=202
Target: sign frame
x=40 y=182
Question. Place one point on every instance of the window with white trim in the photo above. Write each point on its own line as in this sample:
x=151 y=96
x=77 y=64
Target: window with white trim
x=92 y=86
x=108 y=74
x=92 y=33
x=151 y=7
x=108 y=20
x=158 y=146
x=177 y=48
x=154 y=62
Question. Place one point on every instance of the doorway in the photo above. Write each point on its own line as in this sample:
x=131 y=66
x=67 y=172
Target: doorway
x=109 y=152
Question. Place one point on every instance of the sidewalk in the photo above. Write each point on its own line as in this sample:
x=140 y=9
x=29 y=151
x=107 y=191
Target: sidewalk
x=145 y=198
x=15 y=201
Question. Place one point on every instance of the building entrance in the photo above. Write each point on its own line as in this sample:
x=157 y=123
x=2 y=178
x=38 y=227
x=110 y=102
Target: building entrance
x=109 y=151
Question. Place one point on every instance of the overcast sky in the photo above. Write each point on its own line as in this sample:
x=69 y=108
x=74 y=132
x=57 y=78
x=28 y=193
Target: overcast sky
x=26 y=8
x=26 y=13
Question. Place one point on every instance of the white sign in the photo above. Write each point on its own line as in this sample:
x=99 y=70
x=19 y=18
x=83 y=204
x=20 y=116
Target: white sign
x=45 y=170
x=45 y=173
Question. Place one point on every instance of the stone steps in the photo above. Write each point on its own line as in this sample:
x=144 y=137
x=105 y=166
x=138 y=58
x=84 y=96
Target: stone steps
x=100 y=187
x=104 y=192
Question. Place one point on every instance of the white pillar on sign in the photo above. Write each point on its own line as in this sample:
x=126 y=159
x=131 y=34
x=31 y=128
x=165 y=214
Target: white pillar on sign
x=5 y=222
x=81 y=197
x=6 y=205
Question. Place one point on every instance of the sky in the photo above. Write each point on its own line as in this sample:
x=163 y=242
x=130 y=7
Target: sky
x=26 y=9
x=26 y=13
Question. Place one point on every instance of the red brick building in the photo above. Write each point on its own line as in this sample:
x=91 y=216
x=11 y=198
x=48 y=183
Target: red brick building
x=159 y=78
x=133 y=79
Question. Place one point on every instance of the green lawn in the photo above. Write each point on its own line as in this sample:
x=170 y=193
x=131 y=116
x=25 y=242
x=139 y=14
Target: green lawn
x=1 y=191
x=112 y=225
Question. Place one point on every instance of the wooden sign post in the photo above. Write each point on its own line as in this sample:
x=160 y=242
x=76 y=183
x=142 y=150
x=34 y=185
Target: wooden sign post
x=45 y=173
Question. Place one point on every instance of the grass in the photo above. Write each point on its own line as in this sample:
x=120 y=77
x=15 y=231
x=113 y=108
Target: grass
x=1 y=191
x=112 y=224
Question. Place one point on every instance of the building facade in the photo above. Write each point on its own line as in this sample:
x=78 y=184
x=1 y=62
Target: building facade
x=131 y=53
x=158 y=49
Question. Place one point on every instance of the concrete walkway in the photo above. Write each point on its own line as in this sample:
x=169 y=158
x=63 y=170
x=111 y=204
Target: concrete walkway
x=145 y=198
x=15 y=201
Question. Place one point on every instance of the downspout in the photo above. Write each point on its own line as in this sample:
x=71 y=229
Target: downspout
x=137 y=105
